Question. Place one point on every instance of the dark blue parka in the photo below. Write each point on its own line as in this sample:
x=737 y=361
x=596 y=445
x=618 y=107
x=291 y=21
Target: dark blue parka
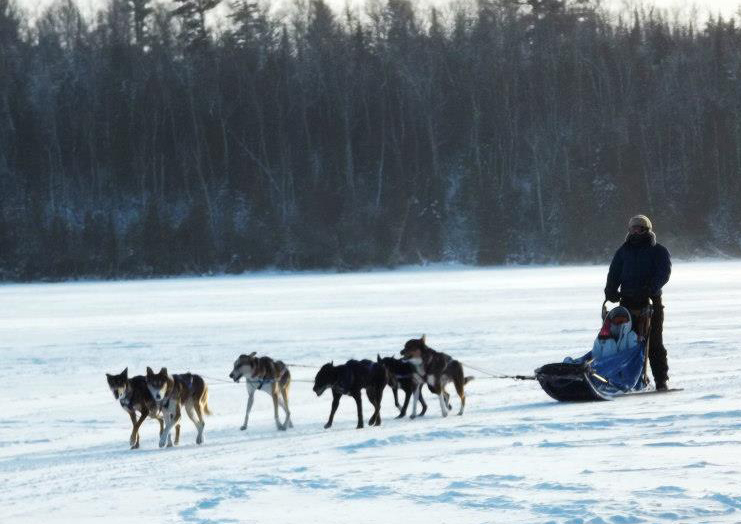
x=640 y=269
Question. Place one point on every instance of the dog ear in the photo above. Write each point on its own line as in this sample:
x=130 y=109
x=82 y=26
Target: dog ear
x=242 y=356
x=125 y=372
x=424 y=339
x=252 y=354
x=149 y=371
x=331 y=363
x=163 y=371
x=378 y=358
x=109 y=376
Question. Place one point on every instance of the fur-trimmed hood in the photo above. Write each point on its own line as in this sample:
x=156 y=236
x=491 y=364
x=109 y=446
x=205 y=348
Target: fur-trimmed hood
x=648 y=238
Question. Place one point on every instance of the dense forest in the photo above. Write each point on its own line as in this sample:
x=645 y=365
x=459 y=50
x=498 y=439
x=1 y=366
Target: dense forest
x=160 y=139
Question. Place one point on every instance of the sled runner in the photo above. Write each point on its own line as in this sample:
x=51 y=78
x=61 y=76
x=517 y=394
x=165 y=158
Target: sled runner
x=616 y=366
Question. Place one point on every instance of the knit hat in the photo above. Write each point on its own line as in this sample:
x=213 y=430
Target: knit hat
x=640 y=220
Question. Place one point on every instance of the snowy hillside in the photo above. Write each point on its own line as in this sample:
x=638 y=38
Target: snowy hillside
x=515 y=456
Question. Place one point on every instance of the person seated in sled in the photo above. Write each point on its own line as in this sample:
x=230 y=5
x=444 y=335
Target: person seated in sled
x=616 y=335
x=638 y=271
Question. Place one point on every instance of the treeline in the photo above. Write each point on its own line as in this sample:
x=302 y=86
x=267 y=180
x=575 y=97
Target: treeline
x=148 y=141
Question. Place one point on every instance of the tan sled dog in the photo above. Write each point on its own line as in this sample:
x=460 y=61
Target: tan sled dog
x=436 y=369
x=172 y=392
x=268 y=375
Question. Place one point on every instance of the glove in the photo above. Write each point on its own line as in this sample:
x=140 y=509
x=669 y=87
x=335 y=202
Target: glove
x=612 y=296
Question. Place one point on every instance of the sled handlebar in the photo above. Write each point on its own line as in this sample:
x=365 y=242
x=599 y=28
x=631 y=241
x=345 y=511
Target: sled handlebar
x=604 y=307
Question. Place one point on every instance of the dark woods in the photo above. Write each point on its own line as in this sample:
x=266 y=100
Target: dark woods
x=148 y=142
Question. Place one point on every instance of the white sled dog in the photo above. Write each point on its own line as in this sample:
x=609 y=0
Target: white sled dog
x=268 y=375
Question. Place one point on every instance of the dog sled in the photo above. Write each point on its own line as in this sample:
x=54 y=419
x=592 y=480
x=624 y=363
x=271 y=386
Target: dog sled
x=616 y=365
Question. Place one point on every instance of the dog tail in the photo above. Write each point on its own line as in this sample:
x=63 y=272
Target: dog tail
x=468 y=379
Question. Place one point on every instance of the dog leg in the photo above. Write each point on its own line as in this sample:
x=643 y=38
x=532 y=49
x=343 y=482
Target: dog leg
x=359 y=403
x=447 y=401
x=132 y=437
x=165 y=437
x=377 y=412
x=135 y=432
x=422 y=401
x=202 y=423
x=403 y=409
x=250 y=400
x=417 y=391
x=378 y=405
x=274 y=394
x=443 y=405
x=284 y=404
x=396 y=397
x=461 y=394
x=175 y=418
x=335 y=403
x=373 y=401
x=190 y=410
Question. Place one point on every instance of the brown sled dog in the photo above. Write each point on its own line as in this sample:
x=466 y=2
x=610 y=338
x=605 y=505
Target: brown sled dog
x=172 y=392
x=436 y=369
x=133 y=395
x=268 y=375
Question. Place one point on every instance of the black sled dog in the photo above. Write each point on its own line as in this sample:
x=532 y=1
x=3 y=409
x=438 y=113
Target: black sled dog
x=268 y=375
x=348 y=379
x=176 y=391
x=133 y=395
x=436 y=369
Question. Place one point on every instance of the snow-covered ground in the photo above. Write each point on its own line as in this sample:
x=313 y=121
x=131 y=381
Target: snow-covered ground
x=515 y=456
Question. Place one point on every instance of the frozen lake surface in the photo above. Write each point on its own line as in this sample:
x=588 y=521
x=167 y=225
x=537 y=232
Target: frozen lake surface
x=515 y=456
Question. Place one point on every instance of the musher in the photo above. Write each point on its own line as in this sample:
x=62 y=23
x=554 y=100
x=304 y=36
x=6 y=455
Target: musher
x=640 y=268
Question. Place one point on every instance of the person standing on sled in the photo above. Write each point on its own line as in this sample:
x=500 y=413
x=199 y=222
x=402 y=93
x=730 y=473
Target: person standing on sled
x=640 y=268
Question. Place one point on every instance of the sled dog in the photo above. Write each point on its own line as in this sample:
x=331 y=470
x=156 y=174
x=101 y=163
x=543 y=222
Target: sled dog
x=176 y=391
x=436 y=369
x=348 y=379
x=402 y=375
x=133 y=395
x=268 y=375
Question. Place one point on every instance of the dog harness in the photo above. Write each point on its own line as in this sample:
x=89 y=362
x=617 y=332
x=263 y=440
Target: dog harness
x=260 y=382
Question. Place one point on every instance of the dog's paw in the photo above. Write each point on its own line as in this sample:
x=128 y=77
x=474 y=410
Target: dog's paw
x=242 y=428
x=199 y=439
x=400 y=415
x=281 y=427
x=162 y=444
x=445 y=414
x=327 y=425
x=413 y=416
x=359 y=426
